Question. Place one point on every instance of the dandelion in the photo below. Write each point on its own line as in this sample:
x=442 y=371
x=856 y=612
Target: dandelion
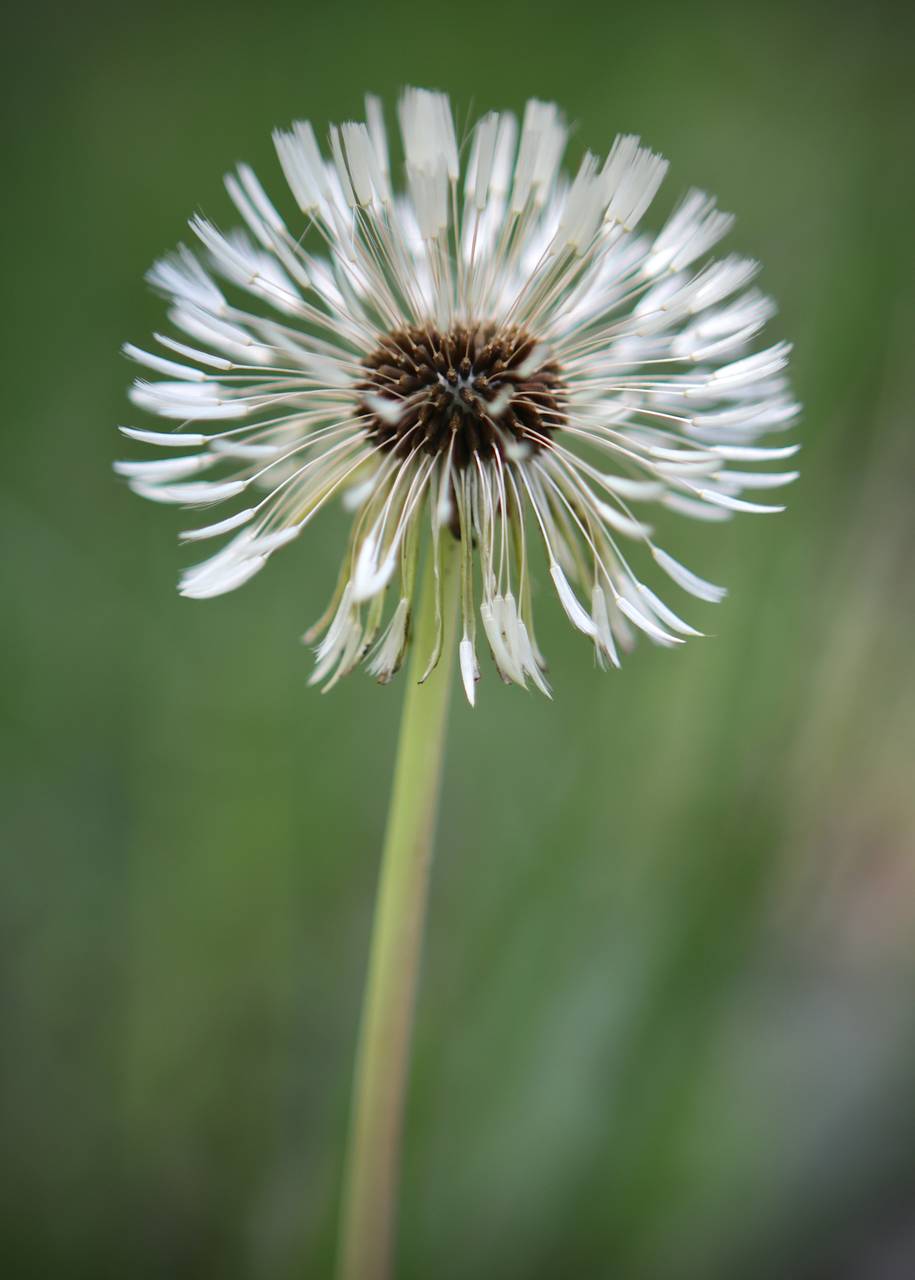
x=494 y=368
x=497 y=357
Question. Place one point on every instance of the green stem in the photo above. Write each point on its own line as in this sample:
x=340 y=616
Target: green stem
x=382 y=1060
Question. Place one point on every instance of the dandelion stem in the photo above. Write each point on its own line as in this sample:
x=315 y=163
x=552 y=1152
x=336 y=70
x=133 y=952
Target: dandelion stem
x=382 y=1060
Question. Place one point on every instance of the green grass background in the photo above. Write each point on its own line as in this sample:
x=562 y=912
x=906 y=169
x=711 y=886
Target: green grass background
x=666 y=1029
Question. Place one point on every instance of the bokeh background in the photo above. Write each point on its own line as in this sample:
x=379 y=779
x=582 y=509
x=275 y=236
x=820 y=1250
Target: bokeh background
x=666 y=1029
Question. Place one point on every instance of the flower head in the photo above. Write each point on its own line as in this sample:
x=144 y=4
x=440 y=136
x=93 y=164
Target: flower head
x=497 y=355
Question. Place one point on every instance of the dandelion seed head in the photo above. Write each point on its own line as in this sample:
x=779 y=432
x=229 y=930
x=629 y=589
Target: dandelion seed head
x=496 y=352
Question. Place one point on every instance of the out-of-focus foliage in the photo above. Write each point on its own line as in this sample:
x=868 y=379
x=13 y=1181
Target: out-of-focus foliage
x=666 y=1027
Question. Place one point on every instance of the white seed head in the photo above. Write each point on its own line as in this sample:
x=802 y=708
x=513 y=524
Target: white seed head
x=496 y=356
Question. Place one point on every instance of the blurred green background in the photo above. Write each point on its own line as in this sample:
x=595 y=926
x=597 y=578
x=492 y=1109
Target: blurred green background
x=666 y=1030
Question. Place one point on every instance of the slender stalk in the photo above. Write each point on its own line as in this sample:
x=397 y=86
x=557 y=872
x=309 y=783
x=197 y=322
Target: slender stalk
x=382 y=1060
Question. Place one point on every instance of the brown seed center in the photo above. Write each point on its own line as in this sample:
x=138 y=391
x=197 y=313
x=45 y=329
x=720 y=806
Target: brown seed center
x=472 y=391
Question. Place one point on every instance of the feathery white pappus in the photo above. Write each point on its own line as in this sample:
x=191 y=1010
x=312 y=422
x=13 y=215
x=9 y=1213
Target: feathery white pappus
x=497 y=354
